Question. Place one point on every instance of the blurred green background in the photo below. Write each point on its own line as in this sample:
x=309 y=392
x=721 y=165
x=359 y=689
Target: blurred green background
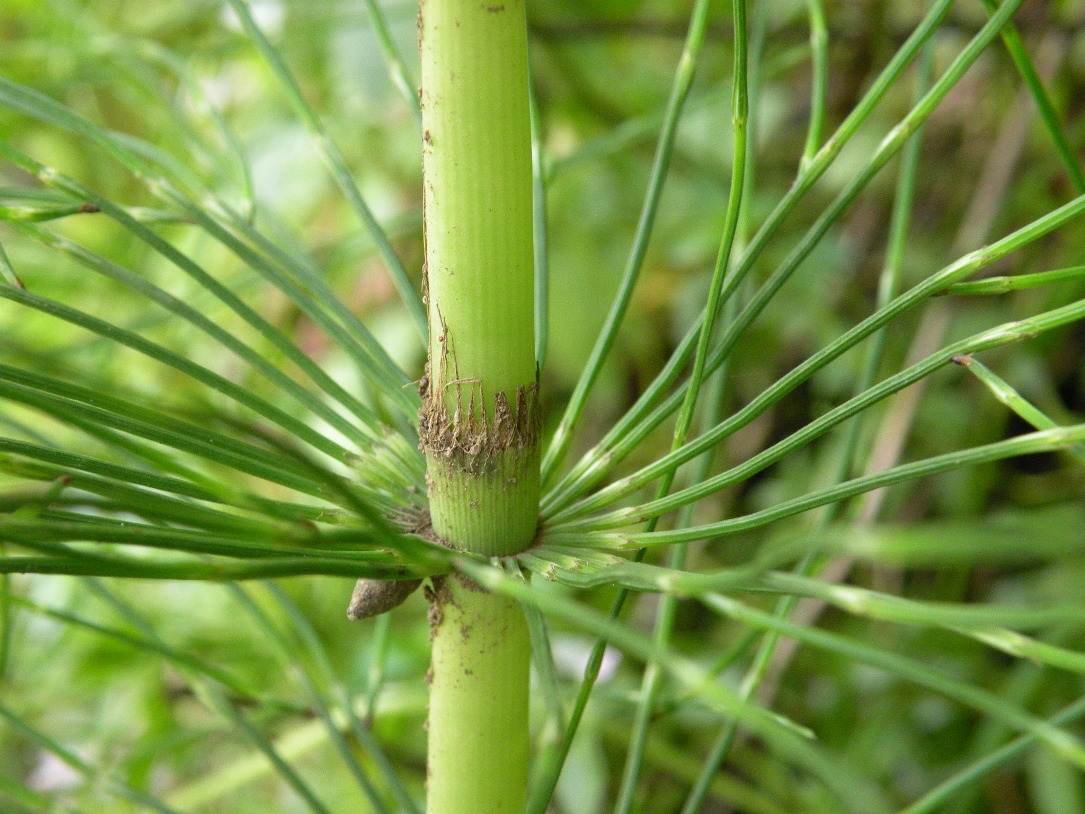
x=164 y=71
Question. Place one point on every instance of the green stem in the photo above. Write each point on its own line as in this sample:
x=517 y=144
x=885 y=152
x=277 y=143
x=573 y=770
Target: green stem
x=478 y=703
x=819 y=92
x=479 y=424
x=1014 y=400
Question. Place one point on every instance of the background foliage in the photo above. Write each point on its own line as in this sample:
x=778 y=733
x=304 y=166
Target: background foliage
x=182 y=689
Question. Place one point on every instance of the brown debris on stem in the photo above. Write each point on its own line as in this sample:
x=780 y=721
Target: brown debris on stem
x=469 y=435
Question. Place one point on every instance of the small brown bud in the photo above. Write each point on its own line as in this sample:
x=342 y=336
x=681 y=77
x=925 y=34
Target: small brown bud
x=373 y=597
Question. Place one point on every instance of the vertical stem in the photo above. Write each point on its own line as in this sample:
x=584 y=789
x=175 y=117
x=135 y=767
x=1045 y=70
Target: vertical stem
x=478 y=706
x=479 y=424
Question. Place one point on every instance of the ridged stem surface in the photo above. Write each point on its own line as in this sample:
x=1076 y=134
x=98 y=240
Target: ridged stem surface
x=478 y=705
x=479 y=424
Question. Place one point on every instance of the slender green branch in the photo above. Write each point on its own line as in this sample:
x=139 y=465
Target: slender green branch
x=542 y=657
x=146 y=642
x=683 y=81
x=92 y=776
x=855 y=792
x=1018 y=52
x=888 y=286
x=337 y=164
x=1014 y=400
x=147 y=423
x=640 y=419
x=45 y=109
x=1063 y=743
x=964 y=267
x=542 y=794
x=541 y=234
x=1019 y=282
x=393 y=60
x=1062 y=438
x=123 y=488
x=196 y=570
x=41 y=534
x=819 y=82
x=329 y=708
x=7 y=271
x=739 y=116
x=975 y=771
x=297 y=429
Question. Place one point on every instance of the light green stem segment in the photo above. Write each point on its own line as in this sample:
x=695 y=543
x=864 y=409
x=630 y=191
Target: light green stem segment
x=478 y=745
x=479 y=424
x=476 y=153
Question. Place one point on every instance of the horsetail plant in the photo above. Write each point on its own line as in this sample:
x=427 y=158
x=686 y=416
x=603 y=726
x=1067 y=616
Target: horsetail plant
x=479 y=424
x=212 y=398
